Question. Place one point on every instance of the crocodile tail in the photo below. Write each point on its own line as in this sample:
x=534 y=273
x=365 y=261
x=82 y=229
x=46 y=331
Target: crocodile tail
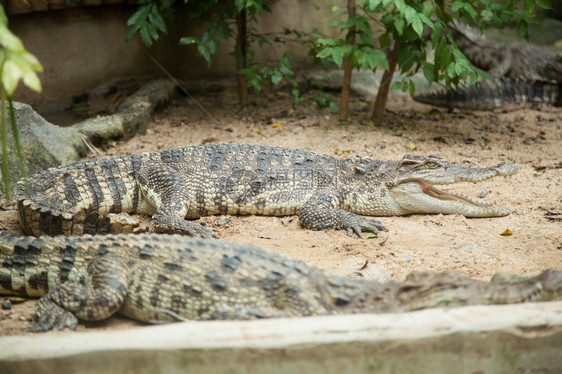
x=493 y=94
x=75 y=199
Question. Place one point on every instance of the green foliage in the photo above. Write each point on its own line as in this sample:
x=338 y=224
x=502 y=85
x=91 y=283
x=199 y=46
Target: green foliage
x=220 y=21
x=257 y=74
x=16 y=64
x=149 y=19
x=411 y=22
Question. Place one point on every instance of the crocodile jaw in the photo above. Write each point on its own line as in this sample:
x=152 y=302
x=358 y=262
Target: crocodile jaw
x=419 y=197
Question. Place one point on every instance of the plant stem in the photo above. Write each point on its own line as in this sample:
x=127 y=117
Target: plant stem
x=4 y=135
x=347 y=68
x=241 y=44
x=19 y=152
x=382 y=95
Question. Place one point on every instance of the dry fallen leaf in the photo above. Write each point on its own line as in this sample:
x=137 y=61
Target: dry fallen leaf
x=506 y=232
x=369 y=235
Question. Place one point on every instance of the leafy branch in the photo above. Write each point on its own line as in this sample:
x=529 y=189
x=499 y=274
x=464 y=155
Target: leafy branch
x=16 y=64
x=406 y=24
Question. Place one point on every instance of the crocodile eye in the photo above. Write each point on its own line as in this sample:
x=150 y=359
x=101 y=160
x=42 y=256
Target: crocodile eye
x=431 y=165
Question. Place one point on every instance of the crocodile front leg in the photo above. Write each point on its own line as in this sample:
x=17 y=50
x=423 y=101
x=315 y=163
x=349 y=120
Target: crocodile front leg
x=94 y=299
x=322 y=211
x=165 y=191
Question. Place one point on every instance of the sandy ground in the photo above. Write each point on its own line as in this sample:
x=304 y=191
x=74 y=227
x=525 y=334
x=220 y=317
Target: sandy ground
x=530 y=138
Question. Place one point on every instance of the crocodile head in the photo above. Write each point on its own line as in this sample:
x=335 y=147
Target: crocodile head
x=429 y=290
x=413 y=187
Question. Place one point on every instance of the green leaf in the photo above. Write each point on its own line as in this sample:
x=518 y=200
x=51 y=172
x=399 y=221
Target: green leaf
x=428 y=72
x=139 y=15
x=427 y=10
x=417 y=25
x=363 y=26
x=240 y=4
x=152 y=31
x=436 y=33
x=384 y=40
x=276 y=77
x=412 y=88
x=409 y=14
x=324 y=53
x=131 y=34
x=322 y=42
x=426 y=20
x=401 y=6
x=334 y=107
x=214 y=46
x=456 y=6
x=396 y=86
x=399 y=25
x=3 y=17
x=155 y=18
x=9 y=41
x=188 y=40
x=31 y=80
x=145 y=36
x=522 y=31
x=337 y=56
x=487 y=15
x=20 y=65
x=11 y=74
x=371 y=5
x=451 y=70
x=377 y=58
x=544 y=4
x=204 y=52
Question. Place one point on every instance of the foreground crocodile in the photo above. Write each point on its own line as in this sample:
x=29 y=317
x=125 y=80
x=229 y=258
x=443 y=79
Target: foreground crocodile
x=520 y=73
x=237 y=179
x=167 y=278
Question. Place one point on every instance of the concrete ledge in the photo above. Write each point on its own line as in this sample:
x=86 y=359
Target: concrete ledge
x=481 y=339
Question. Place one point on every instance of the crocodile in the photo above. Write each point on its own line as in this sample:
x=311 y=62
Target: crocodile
x=500 y=93
x=519 y=74
x=194 y=181
x=160 y=278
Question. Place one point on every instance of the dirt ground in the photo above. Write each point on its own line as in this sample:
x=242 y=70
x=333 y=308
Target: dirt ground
x=530 y=138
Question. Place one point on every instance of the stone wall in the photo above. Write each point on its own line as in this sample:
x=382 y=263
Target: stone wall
x=83 y=49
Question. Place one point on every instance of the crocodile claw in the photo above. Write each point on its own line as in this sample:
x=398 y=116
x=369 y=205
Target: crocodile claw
x=175 y=225
x=361 y=224
x=51 y=316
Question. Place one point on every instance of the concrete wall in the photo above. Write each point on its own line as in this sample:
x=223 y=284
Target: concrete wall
x=499 y=339
x=83 y=49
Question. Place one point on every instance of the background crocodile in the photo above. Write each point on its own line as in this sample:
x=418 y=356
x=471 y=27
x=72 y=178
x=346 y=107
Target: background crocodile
x=167 y=278
x=519 y=74
x=237 y=179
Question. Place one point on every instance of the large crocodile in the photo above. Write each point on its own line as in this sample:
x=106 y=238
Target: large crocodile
x=167 y=278
x=519 y=74
x=196 y=181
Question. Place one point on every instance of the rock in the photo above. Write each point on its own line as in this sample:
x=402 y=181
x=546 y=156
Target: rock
x=363 y=82
x=6 y=304
x=43 y=144
x=133 y=113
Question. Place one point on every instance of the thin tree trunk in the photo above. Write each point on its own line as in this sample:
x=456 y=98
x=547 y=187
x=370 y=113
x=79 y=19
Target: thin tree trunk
x=241 y=43
x=347 y=68
x=382 y=95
